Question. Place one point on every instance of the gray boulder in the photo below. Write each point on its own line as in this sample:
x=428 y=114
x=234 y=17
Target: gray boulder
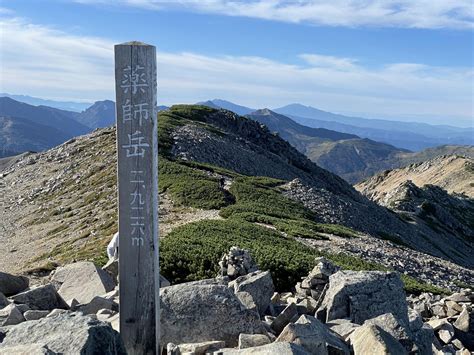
x=10 y=315
x=68 y=333
x=112 y=268
x=11 y=285
x=279 y=348
x=363 y=295
x=253 y=340
x=313 y=336
x=285 y=317
x=22 y=307
x=3 y=301
x=343 y=327
x=203 y=348
x=35 y=315
x=193 y=313
x=463 y=321
x=30 y=349
x=395 y=328
x=259 y=285
x=247 y=300
x=82 y=281
x=96 y=304
x=371 y=339
x=41 y=298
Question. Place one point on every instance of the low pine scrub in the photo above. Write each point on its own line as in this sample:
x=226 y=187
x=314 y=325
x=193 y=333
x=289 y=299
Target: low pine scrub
x=191 y=187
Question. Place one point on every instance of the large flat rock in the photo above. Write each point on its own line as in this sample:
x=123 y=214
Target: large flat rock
x=41 y=298
x=362 y=295
x=66 y=333
x=193 y=313
x=82 y=281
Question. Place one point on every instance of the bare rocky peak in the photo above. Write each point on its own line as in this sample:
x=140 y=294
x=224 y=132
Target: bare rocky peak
x=453 y=173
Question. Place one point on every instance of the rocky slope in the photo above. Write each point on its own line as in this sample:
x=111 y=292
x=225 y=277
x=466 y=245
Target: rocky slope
x=453 y=173
x=238 y=143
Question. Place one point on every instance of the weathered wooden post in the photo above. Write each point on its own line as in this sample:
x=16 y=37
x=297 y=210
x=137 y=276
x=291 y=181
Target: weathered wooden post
x=137 y=147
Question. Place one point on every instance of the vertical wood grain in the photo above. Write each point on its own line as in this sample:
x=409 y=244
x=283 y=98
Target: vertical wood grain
x=137 y=149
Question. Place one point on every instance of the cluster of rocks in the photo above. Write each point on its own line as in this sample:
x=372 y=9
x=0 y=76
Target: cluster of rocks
x=316 y=283
x=77 y=300
x=331 y=311
x=237 y=262
x=451 y=317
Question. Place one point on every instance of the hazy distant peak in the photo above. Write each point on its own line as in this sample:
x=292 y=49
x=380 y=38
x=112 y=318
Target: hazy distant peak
x=264 y=111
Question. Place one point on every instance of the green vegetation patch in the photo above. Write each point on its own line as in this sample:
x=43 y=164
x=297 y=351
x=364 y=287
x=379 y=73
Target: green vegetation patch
x=191 y=187
x=192 y=252
x=259 y=200
x=258 y=195
x=463 y=284
x=176 y=116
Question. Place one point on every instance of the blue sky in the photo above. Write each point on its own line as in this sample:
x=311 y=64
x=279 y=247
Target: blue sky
x=394 y=59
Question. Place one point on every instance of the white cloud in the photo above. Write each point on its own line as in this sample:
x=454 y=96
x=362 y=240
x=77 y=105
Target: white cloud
x=350 y=13
x=40 y=61
x=326 y=61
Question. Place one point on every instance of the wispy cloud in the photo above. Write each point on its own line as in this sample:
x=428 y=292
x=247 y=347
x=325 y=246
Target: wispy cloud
x=428 y=14
x=44 y=62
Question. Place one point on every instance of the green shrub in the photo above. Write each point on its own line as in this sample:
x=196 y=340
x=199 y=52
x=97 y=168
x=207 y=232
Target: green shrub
x=192 y=252
x=177 y=115
x=414 y=286
x=190 y=187
x=258 y=195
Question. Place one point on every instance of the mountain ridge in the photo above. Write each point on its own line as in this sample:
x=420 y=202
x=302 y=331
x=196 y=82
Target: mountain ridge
x=63 y=204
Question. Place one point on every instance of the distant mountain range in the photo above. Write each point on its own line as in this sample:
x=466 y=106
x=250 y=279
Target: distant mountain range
x=345 y=151
x=347 y=155
x=31 y=127
x=218 y=103
x=36 y=101
x=100 y=114
x=18 y=135
x=24 y=127
x=406 y=135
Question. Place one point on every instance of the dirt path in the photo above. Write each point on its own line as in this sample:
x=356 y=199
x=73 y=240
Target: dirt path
x=172 y=216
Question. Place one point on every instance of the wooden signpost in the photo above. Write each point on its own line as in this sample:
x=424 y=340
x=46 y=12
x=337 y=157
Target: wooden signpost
x=137 y=148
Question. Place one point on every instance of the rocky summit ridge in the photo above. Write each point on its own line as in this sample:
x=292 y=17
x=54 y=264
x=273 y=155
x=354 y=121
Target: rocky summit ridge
x=330 y=311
